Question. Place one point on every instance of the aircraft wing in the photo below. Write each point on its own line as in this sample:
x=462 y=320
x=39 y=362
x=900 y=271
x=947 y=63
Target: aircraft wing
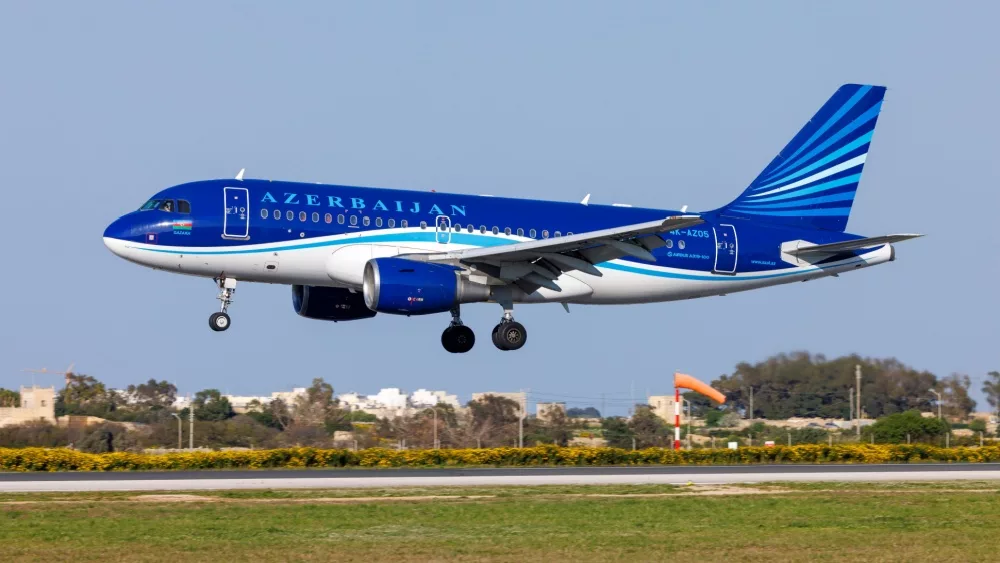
x=802 y=248
x=537 y=263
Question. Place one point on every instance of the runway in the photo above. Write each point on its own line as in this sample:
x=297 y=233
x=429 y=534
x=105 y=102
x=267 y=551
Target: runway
x=379 y=478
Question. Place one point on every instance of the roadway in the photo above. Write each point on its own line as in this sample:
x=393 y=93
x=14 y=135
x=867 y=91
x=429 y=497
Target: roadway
x=378 y=478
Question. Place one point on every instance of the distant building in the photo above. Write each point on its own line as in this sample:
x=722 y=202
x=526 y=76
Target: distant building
x=662 y=406
x=520 y=398
x=37 y=403
x=545 y=411
x=240 y=403
x=391 y=402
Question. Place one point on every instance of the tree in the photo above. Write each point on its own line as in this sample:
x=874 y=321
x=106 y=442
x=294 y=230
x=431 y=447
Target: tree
x=152 y=395
x=555 y=429
x=800 y=384
x=955 y=399
x=9 y=398
x=209 y=404
x=84 y=395
x=107 y=437
x=494 y=421
x=895 y=428
x=991 y=388
x=273 y=414
x=649 y=430
x=318 y=407
x=616 y=432
x=586 y=412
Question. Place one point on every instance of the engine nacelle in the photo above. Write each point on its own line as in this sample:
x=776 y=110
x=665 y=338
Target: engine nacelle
x=408 y=287
x=329 y=303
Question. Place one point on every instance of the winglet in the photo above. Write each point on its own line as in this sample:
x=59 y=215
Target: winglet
x=240 y=175
x=586 y=199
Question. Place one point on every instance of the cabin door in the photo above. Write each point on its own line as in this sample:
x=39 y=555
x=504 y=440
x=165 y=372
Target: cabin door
x=236 y=217
x=726 y=249
x=443 y=229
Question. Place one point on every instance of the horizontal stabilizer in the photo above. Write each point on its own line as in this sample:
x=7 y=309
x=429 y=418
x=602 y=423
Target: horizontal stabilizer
x=801 y=248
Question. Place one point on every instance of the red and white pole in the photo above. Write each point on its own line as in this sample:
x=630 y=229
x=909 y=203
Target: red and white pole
x=677 y=418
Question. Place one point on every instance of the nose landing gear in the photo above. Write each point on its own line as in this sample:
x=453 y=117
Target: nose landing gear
x=457 y=338
x=220 y=321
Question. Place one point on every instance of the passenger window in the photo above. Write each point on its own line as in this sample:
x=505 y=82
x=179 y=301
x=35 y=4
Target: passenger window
x=183 y=206
x=263 y=214
x=391 y=224
x=681 y=244
x=366 y=221
x=167 y=205
x=470 y=228
x=277 y=214
x=496 y=230
x=302 y=216
x=378 y=222
x=507 y=231
x=545 y=234
x=423 y=224
x=290 y=215
x=315 y=217
x=532 y=233
x=482 y=229
x=569 y=234
x=328 y=218
x=669 y=243
x=354 y=220
x=557 y=234
x=520 y=232
x=340 y=219
x=404 y=223
x=457 y=227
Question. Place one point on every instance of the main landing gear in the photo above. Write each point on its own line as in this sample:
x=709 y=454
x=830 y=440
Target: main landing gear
x=509 y=334
x=457 y=338
x=220 y=321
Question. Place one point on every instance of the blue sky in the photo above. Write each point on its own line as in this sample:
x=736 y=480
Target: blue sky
x=654 y=104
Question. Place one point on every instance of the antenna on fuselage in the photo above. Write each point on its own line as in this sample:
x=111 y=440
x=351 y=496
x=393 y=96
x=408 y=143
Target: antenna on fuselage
x=240 y=175
x=586 y=199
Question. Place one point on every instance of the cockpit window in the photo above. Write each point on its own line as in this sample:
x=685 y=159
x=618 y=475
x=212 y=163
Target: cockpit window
x=183 y=206
x=167 y=205
x=151 y=204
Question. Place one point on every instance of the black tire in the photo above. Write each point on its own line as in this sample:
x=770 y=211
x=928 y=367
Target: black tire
x=496 y=338
x=513 y=335
x=448 y=340
x=219 y=321
x=464 y=339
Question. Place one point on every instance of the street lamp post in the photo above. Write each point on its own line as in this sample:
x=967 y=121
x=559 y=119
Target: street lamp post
x=180 y=428
x=435 y=409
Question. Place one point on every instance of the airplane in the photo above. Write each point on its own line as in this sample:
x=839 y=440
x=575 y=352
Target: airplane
x=352 y=252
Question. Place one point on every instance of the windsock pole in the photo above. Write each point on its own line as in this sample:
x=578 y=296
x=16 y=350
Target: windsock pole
x=677 y=418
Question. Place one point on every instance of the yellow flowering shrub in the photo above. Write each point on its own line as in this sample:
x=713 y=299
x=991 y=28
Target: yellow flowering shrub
x=57 y=459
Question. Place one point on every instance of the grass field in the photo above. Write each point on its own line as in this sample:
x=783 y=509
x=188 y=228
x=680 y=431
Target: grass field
x=809 y=522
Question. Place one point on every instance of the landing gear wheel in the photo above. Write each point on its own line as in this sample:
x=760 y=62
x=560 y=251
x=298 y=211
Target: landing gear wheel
x=510 y=335
x=458 y=339
x=219 y=321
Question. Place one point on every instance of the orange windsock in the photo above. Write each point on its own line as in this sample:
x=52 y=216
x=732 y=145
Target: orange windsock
x=685 y=381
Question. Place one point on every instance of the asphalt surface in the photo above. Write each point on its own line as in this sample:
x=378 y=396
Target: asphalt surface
x=375 y=478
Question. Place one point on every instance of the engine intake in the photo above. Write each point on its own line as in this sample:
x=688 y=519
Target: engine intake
x=407 y=287
x=329 y=303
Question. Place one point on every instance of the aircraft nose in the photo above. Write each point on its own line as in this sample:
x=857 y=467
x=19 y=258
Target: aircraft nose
x=115 y=235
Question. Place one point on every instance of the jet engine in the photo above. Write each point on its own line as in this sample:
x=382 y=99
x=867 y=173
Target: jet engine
x=329 y=303
x=408 y=287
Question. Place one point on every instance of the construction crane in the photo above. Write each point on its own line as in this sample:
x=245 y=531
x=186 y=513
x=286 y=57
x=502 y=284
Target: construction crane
x=45 y=371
